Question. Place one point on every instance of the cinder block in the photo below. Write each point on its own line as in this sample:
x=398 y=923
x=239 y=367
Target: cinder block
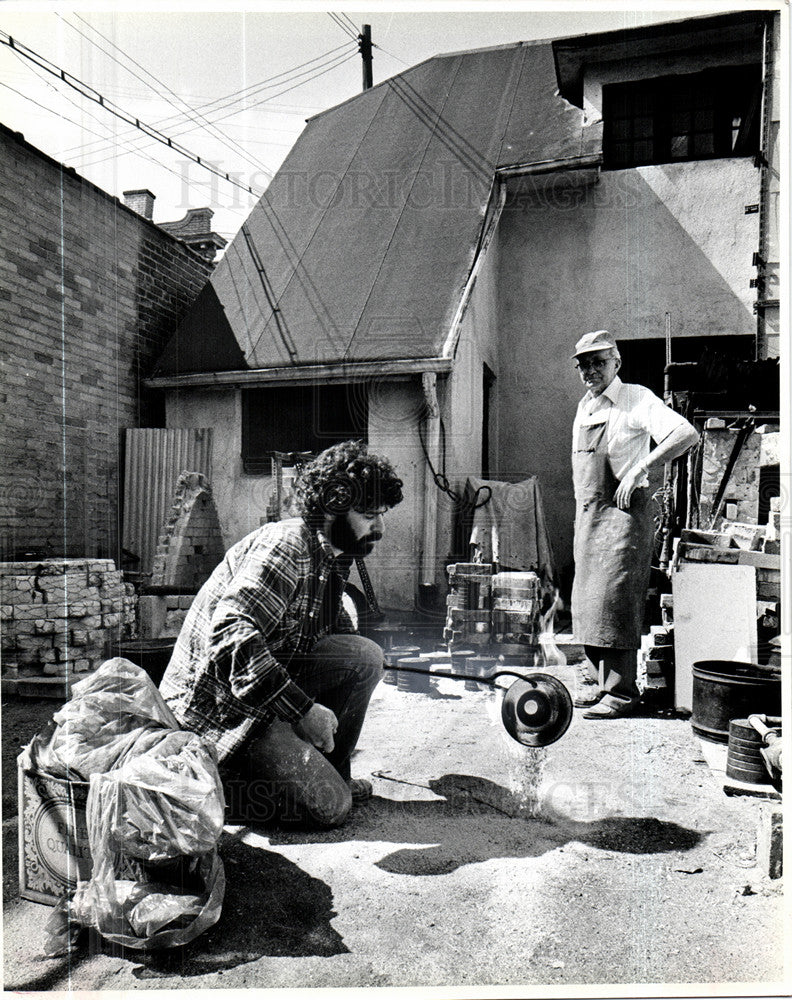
x=769 y=840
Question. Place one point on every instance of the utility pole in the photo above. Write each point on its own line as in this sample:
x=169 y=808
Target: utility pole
x=365 y=46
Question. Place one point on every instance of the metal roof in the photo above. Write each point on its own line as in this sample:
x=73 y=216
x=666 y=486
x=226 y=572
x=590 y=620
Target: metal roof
x=361 y=247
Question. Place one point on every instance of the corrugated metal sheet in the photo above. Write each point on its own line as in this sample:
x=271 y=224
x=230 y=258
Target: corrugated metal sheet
x=155 y=458
x=368 y=231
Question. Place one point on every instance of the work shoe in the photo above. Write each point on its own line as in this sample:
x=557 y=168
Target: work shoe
x=602 y=710
x=587 y=695
x=361 y=790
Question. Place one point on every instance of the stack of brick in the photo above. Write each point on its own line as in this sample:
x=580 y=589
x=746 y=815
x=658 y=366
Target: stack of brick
x=60 y=614
x=188 y=549
x=768 y=579
x=191 y=544
x=516 y=603
x=469 y=615
x=656 y=656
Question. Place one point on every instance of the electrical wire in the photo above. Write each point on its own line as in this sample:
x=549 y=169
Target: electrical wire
x=334 y=65
x=84 y=128
x=343 y=56
x=93 y=95
x=43 y=107
x=130 y=149
x=337 y=20
x=391 y=54
x=241 y=95
x=441 y=479
x=351 y=23
x=191 y=113
x=457 y=144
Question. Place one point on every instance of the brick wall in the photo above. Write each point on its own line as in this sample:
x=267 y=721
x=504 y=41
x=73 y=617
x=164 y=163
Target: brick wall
x=89 y=294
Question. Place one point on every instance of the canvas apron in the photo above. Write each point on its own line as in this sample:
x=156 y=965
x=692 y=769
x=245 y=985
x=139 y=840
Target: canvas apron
x=612 y=548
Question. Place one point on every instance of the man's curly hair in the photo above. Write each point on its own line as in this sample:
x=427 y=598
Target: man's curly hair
x=346 y=477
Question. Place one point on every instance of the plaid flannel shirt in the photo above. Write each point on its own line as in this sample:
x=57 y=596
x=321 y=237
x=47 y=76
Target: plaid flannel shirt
x=228 y=677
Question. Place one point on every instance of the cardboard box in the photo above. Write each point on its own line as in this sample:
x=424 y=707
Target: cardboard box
x=53 y=836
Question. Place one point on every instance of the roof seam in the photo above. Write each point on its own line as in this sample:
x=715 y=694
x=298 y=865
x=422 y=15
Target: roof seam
x=485 y=218
x=297 y=261
x=404 y=205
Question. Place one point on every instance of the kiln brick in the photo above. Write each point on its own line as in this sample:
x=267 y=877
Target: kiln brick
x=177 y=564
x=64 y=635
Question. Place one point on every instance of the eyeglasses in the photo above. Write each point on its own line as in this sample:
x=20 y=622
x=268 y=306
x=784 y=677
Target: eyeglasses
x=598 y=364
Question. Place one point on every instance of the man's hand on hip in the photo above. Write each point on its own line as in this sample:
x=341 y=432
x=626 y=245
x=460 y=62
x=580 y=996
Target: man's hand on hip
x=624 y=493
x=317 y=727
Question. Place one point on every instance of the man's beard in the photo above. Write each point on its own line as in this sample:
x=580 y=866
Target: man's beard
x=341 y=536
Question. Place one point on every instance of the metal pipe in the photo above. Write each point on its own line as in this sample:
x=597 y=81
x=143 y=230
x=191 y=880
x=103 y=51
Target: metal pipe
x=490 y=679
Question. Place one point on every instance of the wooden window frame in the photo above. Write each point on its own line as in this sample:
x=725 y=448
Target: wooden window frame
x=675 y=119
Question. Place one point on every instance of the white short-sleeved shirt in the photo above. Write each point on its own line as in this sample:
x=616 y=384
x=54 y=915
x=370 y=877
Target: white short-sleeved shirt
x=634 y=417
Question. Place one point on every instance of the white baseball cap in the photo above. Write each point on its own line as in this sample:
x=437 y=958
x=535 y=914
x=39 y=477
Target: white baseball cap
x=599 y=340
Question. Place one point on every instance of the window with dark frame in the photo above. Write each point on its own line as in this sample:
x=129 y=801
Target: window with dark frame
x=698 y=116
x=300 y=418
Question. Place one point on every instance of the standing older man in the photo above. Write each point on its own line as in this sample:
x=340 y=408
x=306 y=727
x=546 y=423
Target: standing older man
x=614 y=529
x=267 y=667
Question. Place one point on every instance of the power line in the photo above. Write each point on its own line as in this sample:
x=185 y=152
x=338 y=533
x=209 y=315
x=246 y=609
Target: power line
x=65 y=97
x=71 y=121
x=334 y=65
x=191 y=113
x=351 y=23
x=254 y=89
x=337 y=20
x=92 y=94
x=391 y=54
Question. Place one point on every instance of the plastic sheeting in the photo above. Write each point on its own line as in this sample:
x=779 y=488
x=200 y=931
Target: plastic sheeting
x=155 y=796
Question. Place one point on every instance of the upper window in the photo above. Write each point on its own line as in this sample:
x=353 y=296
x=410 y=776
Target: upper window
x=699 y=116
x=300 y=418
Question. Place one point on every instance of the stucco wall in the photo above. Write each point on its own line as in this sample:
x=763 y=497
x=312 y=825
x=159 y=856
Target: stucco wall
x=463 y=398
x=617 y=254
x=241 y=500
x=394 y=408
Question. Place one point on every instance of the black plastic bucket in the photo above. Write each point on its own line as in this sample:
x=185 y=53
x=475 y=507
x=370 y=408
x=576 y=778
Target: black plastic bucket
x=151 y=654
x=728 y=689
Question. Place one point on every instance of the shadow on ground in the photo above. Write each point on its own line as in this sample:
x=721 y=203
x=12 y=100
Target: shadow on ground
x=477 y=820
x=271 y=908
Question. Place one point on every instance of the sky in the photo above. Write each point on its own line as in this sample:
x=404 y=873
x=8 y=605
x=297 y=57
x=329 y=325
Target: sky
x=235 y=88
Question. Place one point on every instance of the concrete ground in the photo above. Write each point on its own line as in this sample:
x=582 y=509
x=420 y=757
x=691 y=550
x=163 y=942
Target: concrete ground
x=609 y=857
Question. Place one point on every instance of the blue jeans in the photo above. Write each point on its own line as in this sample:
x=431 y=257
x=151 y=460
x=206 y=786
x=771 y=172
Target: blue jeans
x=289 y=780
